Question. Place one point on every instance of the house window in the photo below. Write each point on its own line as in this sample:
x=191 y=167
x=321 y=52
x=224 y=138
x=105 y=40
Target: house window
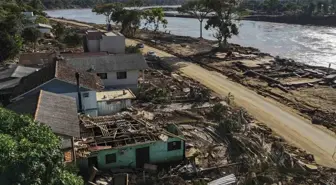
x=86 y=95
x=174 y=145
x=102 y=75
x=121 y=75
x=110 y=158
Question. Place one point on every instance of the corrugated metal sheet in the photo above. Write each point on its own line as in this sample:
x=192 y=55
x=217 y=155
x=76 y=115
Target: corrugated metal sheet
x=112 y=107
x=229 y=179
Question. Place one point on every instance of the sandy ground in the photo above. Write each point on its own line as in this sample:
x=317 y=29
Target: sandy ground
x=278 y=117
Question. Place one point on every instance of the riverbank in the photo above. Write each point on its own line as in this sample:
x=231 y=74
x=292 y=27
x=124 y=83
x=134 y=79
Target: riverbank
x=301 y=20
x=309 y=90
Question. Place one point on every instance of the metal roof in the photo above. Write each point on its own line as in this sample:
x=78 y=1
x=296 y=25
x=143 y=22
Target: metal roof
x=115 y=95
x=55 y=110
x=110 y=63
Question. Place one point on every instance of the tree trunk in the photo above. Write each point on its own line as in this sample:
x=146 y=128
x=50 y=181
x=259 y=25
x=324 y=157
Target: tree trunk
x=201 y=29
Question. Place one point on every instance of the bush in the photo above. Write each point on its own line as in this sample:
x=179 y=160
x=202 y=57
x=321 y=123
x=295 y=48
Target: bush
x=30 y=153
x=132 y=49
x=73 y=39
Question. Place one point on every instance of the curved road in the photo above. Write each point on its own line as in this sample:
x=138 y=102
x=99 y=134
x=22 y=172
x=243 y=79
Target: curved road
x=281 y=119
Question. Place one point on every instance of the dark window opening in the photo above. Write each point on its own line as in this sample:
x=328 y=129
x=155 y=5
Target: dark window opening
x=86 y=95
x=102 y=75
x=174 y=145
x=110 y=158
x=121 y=75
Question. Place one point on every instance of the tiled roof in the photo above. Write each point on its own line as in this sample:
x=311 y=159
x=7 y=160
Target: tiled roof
x=55 y=110
x=61 y=71
x=110 y=63
x=36 y=59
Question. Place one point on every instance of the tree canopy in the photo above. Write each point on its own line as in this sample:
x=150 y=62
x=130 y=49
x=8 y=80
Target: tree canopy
x=223 y=21
x=155 y=17
x=30 y=153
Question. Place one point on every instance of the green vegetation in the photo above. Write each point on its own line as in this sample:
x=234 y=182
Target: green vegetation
x=31 y=35
x=132 y=49
x=223 y=21
x=12 y=24
x=107 y=10
x=72 y=39
x=30 y=153
x=155 y=17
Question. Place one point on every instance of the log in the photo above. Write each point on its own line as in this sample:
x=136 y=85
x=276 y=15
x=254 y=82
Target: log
x=282 y=88
x=264 y=77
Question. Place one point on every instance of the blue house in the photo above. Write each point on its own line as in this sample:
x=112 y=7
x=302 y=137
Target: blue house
x=60 y=78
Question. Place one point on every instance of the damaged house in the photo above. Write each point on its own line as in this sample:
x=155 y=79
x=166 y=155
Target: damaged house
x=61 y=78
x=126 y=142
x=116 y=71
x=59 y=112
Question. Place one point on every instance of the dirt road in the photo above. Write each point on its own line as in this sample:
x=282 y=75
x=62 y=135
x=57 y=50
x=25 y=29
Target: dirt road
x=278 y=117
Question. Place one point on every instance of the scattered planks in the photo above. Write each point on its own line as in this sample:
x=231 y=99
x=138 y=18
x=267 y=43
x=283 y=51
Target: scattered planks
x=261 y=76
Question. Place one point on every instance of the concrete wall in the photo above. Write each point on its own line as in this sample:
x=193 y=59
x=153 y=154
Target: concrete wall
x=130 y=82
x=126 y=156
x=89 y=103
x=108 y=108
x=113 y=44
x=93 y=45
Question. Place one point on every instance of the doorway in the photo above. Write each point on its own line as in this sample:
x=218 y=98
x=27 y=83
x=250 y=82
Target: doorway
x=142 y=157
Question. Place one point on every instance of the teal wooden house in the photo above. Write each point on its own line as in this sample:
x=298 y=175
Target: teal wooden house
x=130 y=143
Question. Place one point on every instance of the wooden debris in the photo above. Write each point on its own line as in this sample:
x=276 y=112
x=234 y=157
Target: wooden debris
x=268 y=79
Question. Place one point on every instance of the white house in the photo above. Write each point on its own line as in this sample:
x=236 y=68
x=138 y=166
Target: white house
x=116 y=71
x=111 y=102
x=110 y=42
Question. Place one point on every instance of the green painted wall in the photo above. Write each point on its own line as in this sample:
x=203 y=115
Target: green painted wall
x=126 y=156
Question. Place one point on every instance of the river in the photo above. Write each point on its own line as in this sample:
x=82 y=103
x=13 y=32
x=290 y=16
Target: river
x=314 y=45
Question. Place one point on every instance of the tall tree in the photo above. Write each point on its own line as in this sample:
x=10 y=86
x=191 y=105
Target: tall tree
x=130 y=21
x=155 y=17
x=58 y=30
x=30 y=153
x=197 y=8
x=31 y=35
x=36 y=4
x=223 y=21
x=10 y=45
x=107 y=10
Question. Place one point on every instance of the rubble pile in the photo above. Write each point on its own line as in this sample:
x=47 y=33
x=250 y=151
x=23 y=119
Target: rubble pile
x=157 y=87
x=224 y=143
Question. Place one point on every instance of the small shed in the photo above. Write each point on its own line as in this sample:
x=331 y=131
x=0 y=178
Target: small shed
x=110 y=102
